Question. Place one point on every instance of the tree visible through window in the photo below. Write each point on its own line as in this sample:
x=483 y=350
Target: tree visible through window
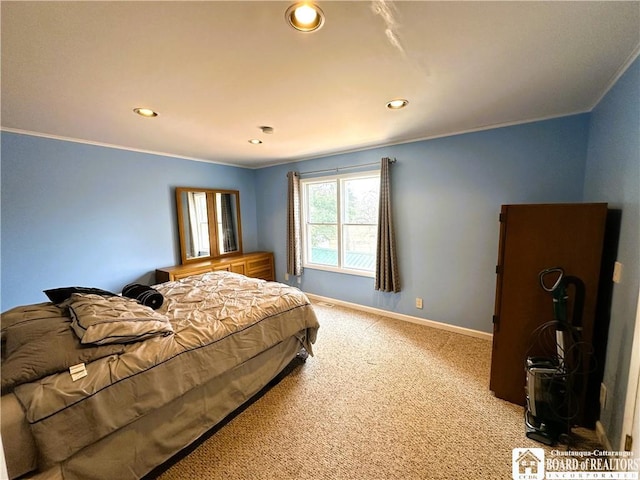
x=340 y=218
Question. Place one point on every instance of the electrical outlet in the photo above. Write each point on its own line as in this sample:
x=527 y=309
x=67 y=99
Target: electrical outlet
x=617 y=272
x=603 y=396
x=418 y=303
x=628 y=443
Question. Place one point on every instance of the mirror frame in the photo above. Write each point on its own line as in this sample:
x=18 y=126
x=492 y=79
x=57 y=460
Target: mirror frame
x=212 y=219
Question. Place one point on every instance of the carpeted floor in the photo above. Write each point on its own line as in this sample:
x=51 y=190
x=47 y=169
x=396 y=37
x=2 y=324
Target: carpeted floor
x=382 y=399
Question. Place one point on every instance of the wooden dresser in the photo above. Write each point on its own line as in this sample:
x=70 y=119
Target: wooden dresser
x=256 y=264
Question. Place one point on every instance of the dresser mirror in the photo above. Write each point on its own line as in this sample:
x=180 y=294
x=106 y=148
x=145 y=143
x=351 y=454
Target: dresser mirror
x=208 y=223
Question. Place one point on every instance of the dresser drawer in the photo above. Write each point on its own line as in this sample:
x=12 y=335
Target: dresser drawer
x=238 y=268
x=187 y=273
x=261 y=267
x=265 y=274
x=257 y=264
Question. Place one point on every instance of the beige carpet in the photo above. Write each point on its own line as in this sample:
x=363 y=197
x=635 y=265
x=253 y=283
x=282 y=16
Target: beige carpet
x=381 y=399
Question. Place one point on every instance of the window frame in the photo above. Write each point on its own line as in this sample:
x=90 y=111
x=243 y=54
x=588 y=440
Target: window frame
x=339 y=179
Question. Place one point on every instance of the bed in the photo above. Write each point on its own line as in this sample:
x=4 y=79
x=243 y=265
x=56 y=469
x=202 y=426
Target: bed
x=139 y=396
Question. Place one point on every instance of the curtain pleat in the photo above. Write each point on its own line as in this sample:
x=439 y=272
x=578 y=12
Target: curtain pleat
x=387 y=275
x=294 y=239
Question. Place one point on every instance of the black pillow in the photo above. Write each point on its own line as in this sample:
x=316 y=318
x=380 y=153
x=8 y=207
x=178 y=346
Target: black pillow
x=144 y=294
x=59 y=295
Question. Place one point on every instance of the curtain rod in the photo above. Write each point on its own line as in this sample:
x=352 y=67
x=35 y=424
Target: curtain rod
x=337 y=169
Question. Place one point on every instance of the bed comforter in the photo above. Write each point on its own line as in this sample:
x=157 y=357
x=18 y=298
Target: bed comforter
x=220 y=320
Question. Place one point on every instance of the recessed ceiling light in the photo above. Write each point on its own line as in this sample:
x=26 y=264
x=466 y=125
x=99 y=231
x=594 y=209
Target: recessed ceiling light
x=305 y=16
x=145 y=112
x=255 y=141
x=397 y=104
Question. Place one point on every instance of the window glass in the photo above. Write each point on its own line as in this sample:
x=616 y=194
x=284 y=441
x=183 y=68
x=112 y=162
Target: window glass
x=361 y=200
x=340 y=217
x=360 y=246
x=323 y=244
x=323 y=202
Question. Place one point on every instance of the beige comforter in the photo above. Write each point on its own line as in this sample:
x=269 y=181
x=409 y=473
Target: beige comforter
x=220 y=320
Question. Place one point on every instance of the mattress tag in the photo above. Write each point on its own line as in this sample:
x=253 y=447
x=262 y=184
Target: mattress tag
x=78 y=371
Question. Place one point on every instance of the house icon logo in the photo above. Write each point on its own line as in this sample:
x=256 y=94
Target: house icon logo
x=528 y=463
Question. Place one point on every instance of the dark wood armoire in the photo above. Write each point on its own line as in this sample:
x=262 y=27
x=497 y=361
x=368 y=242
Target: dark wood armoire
x=534 y=238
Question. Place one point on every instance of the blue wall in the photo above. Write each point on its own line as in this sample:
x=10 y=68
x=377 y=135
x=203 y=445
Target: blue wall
x=613 y=176
x=447 y=196
x=77 y=214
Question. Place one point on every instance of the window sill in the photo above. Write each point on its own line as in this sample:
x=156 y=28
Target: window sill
x=346 y=271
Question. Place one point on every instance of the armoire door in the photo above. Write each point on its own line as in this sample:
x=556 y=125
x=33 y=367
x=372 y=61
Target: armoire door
x=534 y=238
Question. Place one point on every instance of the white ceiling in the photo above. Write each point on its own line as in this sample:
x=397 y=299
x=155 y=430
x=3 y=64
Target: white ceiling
x=216 y=71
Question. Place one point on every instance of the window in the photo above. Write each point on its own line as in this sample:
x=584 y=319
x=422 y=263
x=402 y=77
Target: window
x=340 y=222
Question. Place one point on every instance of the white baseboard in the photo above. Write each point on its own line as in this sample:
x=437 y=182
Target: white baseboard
x=601 y=433
x=401 y=316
